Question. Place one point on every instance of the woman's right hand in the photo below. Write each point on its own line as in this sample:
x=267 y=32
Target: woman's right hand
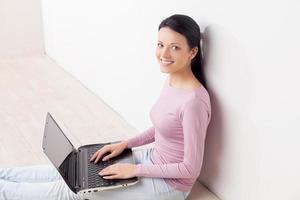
x=114 y=150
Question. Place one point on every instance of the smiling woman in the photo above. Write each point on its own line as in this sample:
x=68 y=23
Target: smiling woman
x=172 y=47
x=178 y=49
x=180 y=119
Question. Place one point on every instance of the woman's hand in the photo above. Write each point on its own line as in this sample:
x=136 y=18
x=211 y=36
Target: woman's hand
x=119 y=171
x=113 y=149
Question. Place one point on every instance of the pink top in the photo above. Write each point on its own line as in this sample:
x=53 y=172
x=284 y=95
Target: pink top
x=180 y=119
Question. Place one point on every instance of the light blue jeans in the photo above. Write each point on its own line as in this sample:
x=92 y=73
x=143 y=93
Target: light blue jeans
x=44 y=182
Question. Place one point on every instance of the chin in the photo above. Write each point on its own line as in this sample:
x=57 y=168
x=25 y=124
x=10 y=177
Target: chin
x=165 y=71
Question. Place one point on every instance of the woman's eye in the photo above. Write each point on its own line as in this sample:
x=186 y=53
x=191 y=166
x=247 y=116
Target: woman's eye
x=174 y=47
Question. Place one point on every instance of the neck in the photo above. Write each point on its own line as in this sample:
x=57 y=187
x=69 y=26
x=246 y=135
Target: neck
x=182 y=77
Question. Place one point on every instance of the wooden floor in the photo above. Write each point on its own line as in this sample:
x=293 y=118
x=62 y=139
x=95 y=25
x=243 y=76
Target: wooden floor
x=32 y=86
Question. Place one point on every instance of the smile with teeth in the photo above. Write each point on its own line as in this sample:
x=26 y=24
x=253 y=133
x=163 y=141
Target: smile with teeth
x=166 y=62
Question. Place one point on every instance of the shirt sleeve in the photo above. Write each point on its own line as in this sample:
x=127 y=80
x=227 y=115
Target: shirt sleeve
x=144 y=138
x=195 y=119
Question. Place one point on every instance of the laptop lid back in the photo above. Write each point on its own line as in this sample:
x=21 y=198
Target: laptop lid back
x=55 y=144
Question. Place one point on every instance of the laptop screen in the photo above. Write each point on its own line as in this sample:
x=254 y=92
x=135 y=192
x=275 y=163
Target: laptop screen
x=55 y=144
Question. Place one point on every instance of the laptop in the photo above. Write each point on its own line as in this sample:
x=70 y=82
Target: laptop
x=74 y=165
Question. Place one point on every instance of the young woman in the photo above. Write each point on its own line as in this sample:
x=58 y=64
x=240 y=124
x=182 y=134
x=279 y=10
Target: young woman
x=180 y=118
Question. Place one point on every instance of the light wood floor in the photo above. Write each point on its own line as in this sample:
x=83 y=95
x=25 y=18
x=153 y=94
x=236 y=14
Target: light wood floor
x=32 y=86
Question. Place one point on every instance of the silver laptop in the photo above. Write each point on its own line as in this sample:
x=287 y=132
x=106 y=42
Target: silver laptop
x=74 y=165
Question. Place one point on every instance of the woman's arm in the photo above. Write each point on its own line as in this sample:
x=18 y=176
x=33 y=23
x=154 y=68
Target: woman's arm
x=194 y=122
x=144 y=138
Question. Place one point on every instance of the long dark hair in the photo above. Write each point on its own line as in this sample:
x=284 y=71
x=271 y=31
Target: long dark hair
x=186 y=26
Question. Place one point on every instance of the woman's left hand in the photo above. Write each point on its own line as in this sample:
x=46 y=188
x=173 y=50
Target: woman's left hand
x=119 y=171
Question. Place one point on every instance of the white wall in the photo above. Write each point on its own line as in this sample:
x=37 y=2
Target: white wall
x=252 y=74
x=21 y=31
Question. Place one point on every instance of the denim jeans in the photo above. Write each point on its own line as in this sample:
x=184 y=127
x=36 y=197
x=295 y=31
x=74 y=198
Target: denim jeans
x=44 y=182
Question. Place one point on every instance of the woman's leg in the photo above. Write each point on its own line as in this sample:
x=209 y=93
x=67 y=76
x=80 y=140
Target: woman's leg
x=30 y=174
x=57 y=190
x=146 y=188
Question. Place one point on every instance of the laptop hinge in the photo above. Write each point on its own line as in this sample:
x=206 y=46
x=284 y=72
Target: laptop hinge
x=77 y=168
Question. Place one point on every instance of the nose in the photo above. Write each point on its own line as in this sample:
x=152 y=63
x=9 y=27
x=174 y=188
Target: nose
x=165 y=53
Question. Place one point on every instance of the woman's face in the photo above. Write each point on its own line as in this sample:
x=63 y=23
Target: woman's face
x=173 y=52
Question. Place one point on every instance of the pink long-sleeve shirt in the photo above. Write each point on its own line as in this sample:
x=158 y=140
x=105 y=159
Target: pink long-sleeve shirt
x=180 y=118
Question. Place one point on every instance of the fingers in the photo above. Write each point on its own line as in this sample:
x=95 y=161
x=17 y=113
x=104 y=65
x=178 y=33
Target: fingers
x=105 y=171
x=98 y=154
x=94 y=156
x=110 y=172
x=111 y=155
x=117 y=171
x=115 y=176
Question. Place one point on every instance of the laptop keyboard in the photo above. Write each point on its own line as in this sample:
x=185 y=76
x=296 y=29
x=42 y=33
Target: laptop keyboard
x=94 y=179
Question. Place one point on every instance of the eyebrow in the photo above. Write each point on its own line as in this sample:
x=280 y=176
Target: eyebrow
x=171 y=43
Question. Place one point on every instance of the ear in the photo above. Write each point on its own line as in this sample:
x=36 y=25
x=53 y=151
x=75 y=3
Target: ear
x=194 y=52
